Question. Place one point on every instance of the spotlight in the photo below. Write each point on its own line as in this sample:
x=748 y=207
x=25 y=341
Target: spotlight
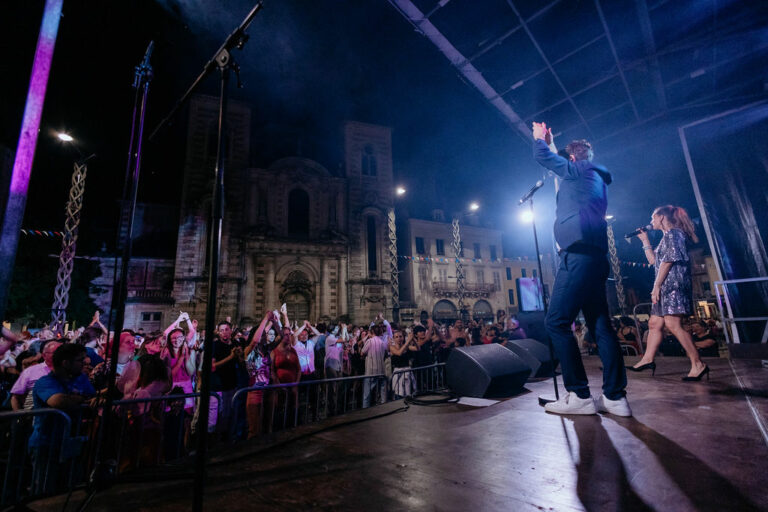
x=65 y=137
x=526 y=216
x=400 y=191
x=474 y=207
x=609 y=217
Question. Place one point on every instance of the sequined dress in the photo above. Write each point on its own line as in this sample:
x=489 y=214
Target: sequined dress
x=676 y=290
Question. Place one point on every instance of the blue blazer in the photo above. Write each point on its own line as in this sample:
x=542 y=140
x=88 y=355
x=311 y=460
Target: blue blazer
x=581 y=201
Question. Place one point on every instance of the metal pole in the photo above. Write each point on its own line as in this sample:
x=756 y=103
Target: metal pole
x=68 y=246
x=459 y=267
x=25 y=151
x=616 y=266
x=394 y=276
x=214 y=250
x=545 y=300
x=102 y=471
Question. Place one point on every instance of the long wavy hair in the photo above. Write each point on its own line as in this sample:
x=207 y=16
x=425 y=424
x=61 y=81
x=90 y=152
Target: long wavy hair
x=678 y=218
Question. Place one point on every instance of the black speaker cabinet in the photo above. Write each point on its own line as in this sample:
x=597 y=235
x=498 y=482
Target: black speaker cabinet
x=536 y=354
x=486 y=371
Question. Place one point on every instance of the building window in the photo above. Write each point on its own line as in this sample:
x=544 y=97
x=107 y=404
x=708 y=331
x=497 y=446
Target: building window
x=368 y=162
x=371 y=232
x=150 y=321
x=480 y=277
x=423 y=280
x=706 y=287
x=511 y=297
x=497 y=281
x=440 y=247
x=298 y=212
x=443 y=276
x=522 y=271
x=535 y=272
x=476 y=247
x=493 y=253
x=509 y=274
x=419 y=245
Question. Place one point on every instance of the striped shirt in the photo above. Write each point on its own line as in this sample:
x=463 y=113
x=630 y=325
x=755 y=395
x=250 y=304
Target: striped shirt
x=374 y=349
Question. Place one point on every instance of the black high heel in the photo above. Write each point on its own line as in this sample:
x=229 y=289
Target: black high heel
x=651 y=366
x=697 y=378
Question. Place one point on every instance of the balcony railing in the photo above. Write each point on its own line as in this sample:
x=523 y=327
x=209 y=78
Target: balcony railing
x=150 y=295
x=446 y=289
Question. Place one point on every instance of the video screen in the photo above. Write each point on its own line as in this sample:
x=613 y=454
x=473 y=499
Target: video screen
x=529 y=294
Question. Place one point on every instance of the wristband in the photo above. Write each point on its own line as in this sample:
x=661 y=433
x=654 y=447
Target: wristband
x=646 y=247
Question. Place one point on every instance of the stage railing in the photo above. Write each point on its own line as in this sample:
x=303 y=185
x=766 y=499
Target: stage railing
x=726 y=313
x=153 y=431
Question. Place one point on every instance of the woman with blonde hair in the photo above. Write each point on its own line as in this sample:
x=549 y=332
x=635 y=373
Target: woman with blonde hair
x=672 y=289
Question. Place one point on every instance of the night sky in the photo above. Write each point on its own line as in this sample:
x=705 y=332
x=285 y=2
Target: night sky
x=307 y=67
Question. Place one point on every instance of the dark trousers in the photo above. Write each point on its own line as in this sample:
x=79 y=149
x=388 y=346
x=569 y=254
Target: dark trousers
x=580 y=285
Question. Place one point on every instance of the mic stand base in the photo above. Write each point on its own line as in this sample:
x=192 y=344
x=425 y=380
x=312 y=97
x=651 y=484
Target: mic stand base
x=546 y=399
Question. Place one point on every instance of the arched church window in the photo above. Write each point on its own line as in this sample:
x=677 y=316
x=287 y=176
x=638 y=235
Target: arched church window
x=371 y=245
x=368 y=161
x=298 y=212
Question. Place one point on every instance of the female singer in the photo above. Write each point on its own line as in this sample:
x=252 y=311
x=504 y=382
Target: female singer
x=672 y=289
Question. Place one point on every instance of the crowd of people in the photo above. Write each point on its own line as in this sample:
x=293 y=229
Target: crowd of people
x=70 y=372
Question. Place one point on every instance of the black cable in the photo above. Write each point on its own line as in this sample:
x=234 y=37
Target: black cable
x=446 y=397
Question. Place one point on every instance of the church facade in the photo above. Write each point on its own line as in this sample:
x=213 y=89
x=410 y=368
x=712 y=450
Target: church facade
x=295 y=232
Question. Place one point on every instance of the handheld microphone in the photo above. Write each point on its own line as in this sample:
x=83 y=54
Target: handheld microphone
x=533 y=190
x=636 y=232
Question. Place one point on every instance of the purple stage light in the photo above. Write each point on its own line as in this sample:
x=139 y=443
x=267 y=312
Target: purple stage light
x=46 y=42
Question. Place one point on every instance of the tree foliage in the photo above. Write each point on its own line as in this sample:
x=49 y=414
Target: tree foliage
x=34 y=280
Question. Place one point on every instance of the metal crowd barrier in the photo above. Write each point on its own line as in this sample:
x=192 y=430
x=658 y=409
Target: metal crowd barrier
x=264 y=409
x=41 y=470
x=156 y=430
x=281 y=406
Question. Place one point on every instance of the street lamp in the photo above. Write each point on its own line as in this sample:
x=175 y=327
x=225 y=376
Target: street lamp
x=473 y=207
x=69 y=240
x=394 y=276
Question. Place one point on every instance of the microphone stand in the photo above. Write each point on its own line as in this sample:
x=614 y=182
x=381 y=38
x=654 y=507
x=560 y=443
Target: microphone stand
x=104 y=470
x=223 y=61
x=528 y=198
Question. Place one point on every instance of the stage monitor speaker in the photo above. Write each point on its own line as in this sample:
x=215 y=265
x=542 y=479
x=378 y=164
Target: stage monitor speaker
x=529 y=349
x=486 y=371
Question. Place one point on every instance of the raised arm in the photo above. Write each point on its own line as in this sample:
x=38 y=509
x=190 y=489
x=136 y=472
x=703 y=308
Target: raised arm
x=255 y=335
x=546 y=157
x=182 y=316
x=311 y=328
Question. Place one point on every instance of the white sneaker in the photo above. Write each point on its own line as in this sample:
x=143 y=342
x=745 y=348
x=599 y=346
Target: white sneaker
x=618 y=407
x=572 y=404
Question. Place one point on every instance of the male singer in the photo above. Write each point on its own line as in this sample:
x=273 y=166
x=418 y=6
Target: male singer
x=580 y=233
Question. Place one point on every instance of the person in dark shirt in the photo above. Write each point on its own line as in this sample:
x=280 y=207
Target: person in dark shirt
x=227 y=356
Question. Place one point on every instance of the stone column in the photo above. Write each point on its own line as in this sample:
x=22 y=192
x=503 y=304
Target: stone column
x=249 y=289
x=321 y=291
x=342 y=288
x=271 y=297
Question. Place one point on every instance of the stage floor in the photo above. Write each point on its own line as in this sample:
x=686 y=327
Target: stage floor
x=689 y=446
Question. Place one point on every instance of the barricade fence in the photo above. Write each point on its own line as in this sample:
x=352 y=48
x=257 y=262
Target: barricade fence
x=47 y=451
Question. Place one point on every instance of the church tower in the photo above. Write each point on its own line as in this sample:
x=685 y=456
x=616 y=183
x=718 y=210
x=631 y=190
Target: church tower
x=368 y=165
x=190 y=290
